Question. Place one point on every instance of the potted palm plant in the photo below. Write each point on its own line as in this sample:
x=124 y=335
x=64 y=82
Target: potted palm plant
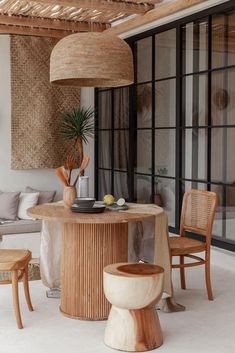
x=78 y=126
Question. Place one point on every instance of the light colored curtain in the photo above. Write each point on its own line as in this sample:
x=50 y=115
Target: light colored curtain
x=50 y=253
x=121 y=142
x=105 y=108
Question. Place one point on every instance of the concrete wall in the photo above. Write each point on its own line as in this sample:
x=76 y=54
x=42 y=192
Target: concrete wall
x=44 y=179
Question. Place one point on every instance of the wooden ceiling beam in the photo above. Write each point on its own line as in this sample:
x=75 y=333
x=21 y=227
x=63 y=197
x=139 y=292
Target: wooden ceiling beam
x=129 y=8
x=153 y=15
x=29 y=31
x=54 y=24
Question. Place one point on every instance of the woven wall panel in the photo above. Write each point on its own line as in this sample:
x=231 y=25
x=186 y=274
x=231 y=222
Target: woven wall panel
x=37 y=106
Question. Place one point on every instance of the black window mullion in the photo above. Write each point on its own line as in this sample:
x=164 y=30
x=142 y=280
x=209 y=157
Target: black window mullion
x=195 y=112
x=96 y=145
x=132 y=144
x=133 y=126
x=153 y=119
x=225 y=131
x=178 y=146
x=215 y=69
x=112 y=142
x=209 y=103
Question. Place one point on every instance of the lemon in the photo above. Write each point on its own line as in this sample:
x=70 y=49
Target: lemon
x=121 y=201
x=108 y=199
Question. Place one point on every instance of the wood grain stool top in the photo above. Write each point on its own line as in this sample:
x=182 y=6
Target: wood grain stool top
x=140 y=269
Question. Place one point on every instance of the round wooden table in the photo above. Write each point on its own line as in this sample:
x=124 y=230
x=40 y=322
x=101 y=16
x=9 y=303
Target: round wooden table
x=89 y=243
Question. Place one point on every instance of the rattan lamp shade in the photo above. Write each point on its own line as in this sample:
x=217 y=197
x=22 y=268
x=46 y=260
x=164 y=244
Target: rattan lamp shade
x=91 y=60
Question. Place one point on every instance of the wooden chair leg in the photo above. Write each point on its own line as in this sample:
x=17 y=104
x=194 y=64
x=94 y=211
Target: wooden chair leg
x=15 y=294
x=182 y=273
x=208 y=280
x=26 y=288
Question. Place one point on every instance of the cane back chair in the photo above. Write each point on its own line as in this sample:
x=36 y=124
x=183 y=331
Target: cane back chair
x=197 y=216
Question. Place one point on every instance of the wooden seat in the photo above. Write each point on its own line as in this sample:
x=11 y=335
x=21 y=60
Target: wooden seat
x=197 y=216
x=184 y=246
x=16 y=262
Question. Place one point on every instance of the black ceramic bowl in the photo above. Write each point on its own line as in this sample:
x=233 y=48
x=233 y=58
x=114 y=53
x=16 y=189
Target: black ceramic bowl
x=84 y=202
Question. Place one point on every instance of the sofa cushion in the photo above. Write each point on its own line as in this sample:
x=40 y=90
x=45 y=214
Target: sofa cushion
x=9 y=202
x=44 y=196
x=21 y=226
x=27 y=200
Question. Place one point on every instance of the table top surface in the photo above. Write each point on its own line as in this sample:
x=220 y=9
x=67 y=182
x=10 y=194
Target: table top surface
x=61 y=214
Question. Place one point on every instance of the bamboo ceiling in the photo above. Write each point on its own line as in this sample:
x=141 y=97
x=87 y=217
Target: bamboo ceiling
x=57 y=18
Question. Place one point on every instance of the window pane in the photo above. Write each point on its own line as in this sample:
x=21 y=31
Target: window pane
x=222 y=155
x=218 y=222
x=223 y=51
x=104 y=183
x=144 y=59
x=121 y=108
x=144 y=105
x=165 y=191
x=121 y=186
x=165 y=152
x=105 y=109
x=105 y=148
x=144 y=151
x=222 y=104
x=165 y=54
x=229 y=103
x=219 y=38
x=121 y=149
x=195 y=46
x=230 y=162
x=195 y=98
x=230 y=213
x=195 y=154
x=217 y=162
x=165 y=103
x=143 y=187
x=231 y=38
x=187 y=185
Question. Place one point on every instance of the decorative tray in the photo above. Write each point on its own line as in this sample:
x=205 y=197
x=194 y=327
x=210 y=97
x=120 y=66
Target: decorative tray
x=94 y=209
x=115 y=207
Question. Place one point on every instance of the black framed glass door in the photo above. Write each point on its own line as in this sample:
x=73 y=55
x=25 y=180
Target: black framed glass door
x=174 y=128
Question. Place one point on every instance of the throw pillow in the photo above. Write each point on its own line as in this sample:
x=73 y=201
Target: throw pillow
x=44 y=196
x=9 y=205
x=27 y=200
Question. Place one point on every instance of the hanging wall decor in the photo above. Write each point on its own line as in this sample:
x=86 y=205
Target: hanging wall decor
x=37 y=106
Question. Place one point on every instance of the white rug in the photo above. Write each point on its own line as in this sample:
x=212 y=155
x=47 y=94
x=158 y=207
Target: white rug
x=205 y=327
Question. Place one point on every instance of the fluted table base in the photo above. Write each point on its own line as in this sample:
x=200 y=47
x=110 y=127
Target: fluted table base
x=86 y=250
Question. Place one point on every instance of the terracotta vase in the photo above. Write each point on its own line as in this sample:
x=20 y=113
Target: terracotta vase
x=69 y=195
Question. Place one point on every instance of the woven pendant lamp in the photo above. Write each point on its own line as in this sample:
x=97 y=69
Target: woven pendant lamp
x=91 y=60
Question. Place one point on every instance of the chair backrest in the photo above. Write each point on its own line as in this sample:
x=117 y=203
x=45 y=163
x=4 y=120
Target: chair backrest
x=198 y=212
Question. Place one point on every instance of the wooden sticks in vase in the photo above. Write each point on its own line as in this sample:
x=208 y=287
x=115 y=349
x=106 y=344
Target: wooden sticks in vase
x=65 y=177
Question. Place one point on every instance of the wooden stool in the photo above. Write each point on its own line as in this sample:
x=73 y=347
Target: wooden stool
x=133 y=290
x=16 y=261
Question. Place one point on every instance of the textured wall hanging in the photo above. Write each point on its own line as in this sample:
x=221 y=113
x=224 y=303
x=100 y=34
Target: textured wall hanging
x=37 y=106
